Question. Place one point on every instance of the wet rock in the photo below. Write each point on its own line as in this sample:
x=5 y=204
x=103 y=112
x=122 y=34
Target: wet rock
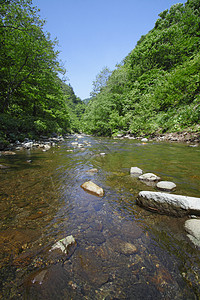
x=3 y=167
x=166 y=185
x=165 y=203
x=64 y=245
x=27 y=145
x=122 y=247
x=8 y=153
x=149 y=177
x=131 y=231
x=193 y=228
x=80 y=146
x=92 y=171
x=93 y=188
x=39 y=277
x=47 y=147
x=48 y=283
x=135 y=171
x=102 y=154
x=144 y=140
x=94 y=237
x=12 y=244
x=90 y=268
x=128 y=248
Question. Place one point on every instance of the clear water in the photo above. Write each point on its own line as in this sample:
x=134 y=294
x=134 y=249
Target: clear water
x=42 y=202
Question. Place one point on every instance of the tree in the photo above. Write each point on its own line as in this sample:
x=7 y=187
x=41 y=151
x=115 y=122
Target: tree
x=100 y=81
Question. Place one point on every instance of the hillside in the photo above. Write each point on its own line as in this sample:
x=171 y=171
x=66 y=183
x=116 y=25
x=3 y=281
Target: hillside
x=156 y=87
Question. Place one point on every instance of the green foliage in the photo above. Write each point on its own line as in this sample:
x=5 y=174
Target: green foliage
x=156 y=88
x=32 y=97
x=100 y=82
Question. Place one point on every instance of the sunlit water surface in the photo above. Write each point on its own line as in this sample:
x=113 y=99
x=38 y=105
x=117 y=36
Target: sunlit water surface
x=42 y=202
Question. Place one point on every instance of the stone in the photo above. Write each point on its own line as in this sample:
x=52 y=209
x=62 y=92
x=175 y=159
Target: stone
x=144 y=140
x=28 y=145
x=89 y=268
x=47 y=147
x=192 y=226
x=93 y=188
x=149 y=177
x=64 y=244
x=166 y=185
x=176 y=205
x=3 y=167
x=8 y=153
x=128 y=248
x=80 y=146
x=135 y=171
x=102 y=154
x=92 y=171
x=39 y=278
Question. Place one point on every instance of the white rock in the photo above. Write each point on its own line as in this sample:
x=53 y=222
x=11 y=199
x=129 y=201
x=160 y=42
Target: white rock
x=144 y=140
x=176 y=205
x=102 y=154
x=166 y=185
x=64 y=244
x=149 y=177
x=80 y=145
x=28 y=145
x=93 y=188
x=47 y=147
x=193 y=228
x=136 y=171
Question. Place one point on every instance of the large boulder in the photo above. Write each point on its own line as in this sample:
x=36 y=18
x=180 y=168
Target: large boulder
x=93 y=188
x=165 y=203
x=192 y=226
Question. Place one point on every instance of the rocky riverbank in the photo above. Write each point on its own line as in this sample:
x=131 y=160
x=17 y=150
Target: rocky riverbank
x=184 y=137
x=44 y=143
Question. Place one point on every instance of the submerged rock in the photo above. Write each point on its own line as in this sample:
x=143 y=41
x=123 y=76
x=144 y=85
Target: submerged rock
x=165 y=203
x=93 y=188
x=149 y=177
x=64 y=244
x=193 y=228
x=3 y=167
x=166 y=185
x=92 y=171
x=39 y=277
x=8 y=153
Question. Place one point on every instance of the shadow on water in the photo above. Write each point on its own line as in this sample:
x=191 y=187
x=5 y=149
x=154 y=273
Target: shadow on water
x=123 y=251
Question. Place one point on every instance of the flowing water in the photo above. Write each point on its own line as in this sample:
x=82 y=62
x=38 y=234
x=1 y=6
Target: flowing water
x=123 y=251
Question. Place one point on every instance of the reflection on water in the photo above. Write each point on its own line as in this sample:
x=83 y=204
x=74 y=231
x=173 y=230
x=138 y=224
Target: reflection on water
x=123 y=251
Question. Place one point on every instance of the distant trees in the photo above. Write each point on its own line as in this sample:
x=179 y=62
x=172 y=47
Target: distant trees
x=156 y=87
x=100 y=82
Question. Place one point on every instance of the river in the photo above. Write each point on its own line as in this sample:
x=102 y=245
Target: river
x=123 y=251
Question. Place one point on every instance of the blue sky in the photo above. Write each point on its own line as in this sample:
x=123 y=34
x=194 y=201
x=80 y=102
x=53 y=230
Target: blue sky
x=94 y=34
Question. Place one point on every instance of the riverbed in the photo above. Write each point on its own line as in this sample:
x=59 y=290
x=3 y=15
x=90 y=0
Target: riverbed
x=122 y=250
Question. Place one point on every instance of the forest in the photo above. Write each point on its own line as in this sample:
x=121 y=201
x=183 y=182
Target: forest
x=155 y=89
x=34 y=100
